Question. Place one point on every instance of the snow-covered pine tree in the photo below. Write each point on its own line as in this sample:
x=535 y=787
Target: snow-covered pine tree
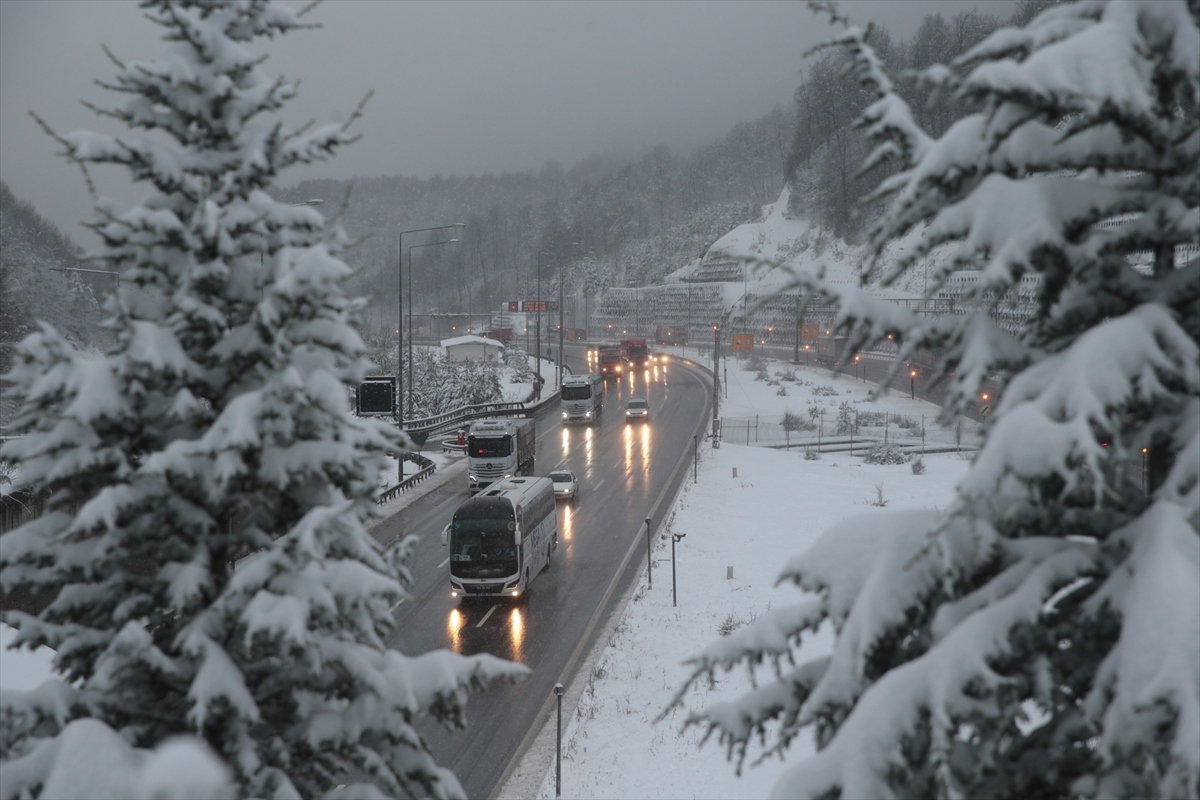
x=1041 y=638
x=217 y=429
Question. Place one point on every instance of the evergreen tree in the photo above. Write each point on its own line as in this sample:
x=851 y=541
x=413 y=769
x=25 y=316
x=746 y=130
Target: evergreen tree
x=1042 y=636
x=217 y=429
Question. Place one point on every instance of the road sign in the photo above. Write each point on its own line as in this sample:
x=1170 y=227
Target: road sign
x=512 y=305
x=376 y=396
x=743 y=342
x=810 y=333
x=533 y=305
x=985 y=409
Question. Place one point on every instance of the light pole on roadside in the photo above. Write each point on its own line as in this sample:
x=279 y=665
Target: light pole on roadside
x=912 y=384
x=675 y=537
x=558 y=693
x=559 y=371
x=695 y=455
x=410 y=330
x=716 y=383
x=537 y=377
x=649 y=558
x=400 y=314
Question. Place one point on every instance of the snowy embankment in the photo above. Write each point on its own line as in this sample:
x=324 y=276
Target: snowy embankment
x=799 y=243
x=751 y=509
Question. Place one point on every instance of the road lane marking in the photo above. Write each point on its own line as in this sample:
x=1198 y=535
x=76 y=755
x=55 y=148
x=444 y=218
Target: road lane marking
x=598 y=485
x=565 y=677
x=485 y=617
x=395 y=605
x=445 y=561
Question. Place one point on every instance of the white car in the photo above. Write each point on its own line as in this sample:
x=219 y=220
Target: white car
x=566 y=485
x=637 y=410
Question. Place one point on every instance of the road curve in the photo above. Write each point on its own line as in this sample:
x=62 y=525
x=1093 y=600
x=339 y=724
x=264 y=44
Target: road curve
x=624 y=472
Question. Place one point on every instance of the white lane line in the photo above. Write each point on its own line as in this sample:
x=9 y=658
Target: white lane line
x=485 y=617
x=598 y=485
x=445 y=561
x=395 y=605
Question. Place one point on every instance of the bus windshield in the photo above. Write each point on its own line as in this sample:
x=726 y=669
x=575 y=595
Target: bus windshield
x=483 y=548
x=489 y=447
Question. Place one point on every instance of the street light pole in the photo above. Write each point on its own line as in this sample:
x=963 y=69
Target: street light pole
x=410 y=330
x=558 y=693
x=400 y=315
x=537 y=329
x=716 y=382
x=912 y=384
x=675 y=537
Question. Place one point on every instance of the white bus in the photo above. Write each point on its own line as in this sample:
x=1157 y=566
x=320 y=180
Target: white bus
x=502 y=538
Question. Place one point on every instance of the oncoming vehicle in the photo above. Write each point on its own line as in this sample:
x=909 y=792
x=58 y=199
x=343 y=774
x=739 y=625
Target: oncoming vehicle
x=566 y=485
x=582 y=399
x=502 y=538
x=637 y=410
x=610 y=362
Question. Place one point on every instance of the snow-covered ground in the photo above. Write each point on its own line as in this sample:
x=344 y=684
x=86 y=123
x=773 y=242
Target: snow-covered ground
x=750 y=510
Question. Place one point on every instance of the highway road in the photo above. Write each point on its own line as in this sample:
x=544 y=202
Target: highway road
x=626 y=473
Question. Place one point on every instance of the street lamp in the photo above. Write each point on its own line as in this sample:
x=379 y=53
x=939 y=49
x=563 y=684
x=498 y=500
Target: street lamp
x=537 y=359
x=558 y=693
x=675 y=537
x=400 y=313
x=912 y=383
x=806 y=355
x=410 y=331
x=560 y=319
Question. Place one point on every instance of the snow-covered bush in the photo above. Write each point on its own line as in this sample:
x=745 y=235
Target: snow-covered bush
x=885 y=454
x=215 y=427
x=846 y=419
x=825 y=390
x=918 y=466
x=517 y=360
x=1040 y=637
x=812 y=454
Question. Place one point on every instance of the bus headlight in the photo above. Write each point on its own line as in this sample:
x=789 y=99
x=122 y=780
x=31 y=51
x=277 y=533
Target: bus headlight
x=516 y=592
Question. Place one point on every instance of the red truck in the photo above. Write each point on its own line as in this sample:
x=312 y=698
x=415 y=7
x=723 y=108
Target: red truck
x=635 y=352
x=610 y=361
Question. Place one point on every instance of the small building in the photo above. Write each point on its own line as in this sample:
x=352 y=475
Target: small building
x=472 y=348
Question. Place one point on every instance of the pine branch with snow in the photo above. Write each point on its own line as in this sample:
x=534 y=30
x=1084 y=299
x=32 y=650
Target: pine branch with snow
x=1042 y=636
x=215 y=431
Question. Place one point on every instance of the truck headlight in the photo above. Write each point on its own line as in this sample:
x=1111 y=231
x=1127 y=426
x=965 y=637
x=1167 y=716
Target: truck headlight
x=586 y=415
x=565 y=415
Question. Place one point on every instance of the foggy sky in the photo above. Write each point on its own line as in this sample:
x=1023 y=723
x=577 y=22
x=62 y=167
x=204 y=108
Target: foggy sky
x=460 y=87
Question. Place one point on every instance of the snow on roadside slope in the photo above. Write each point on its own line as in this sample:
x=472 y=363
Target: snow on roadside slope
x=797 y=242
x=774 y=508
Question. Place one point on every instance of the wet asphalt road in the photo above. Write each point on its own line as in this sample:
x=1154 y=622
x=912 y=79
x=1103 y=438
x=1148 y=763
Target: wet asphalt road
x=624 y=471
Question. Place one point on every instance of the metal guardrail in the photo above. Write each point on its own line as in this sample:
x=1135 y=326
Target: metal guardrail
x=448 y=421
x=427 y=469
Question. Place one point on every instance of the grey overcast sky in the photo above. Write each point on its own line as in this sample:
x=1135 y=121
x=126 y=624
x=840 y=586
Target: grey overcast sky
x=460 y=87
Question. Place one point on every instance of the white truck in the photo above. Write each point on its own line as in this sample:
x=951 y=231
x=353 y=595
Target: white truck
x=582 y=399
x=499 y=448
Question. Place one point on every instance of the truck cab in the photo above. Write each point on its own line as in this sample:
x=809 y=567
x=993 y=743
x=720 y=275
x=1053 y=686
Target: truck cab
x=498 y=449
x=582 y=399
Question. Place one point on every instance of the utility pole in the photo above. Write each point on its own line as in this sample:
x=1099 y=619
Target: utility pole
x=716 y=383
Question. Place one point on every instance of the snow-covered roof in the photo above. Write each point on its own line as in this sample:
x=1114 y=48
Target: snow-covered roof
x=471 y=340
